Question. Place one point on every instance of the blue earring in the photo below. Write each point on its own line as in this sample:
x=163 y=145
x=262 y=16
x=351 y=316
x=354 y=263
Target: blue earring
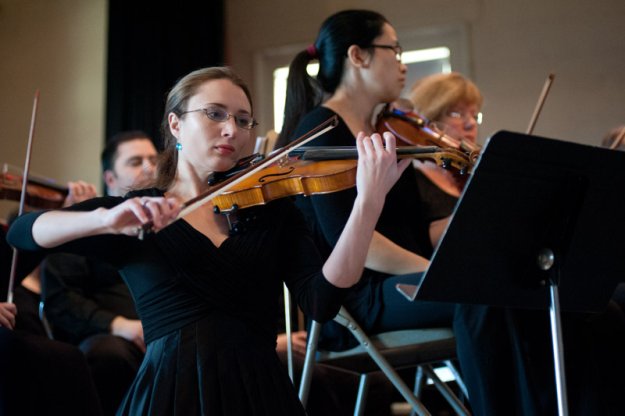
x=178 y=146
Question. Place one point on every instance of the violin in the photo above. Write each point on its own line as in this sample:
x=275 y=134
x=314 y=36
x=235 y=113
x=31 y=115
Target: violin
x=40 y=192
x=297 y=170
x=413 y=129
x=320 y=170
x=281 y=180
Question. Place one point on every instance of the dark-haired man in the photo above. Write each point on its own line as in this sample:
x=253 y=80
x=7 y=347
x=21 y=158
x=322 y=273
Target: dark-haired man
x=128 y=162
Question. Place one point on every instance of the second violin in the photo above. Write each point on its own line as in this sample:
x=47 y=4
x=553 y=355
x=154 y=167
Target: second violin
x=412 y=129
x=40 y=193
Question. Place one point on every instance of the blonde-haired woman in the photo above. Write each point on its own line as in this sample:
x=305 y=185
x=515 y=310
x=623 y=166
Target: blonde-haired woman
x=453 y=103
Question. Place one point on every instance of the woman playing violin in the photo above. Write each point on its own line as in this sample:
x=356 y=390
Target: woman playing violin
x=453 y=103
x=359 y=68
x=208 y=298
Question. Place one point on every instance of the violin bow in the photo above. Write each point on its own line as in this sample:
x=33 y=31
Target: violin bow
x=20 y=211
x=541 y=101
x=618 y=140
x=225 y=185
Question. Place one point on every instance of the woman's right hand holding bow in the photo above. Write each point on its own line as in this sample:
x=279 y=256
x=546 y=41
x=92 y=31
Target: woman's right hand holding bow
x=131 y=215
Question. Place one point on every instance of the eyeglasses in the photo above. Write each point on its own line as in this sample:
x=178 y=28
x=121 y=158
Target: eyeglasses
x=458 y=115
x=220 y=115
x=395 y=48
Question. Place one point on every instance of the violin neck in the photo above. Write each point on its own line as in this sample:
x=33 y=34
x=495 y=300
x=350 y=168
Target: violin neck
x=48 y=184
x=350 y=152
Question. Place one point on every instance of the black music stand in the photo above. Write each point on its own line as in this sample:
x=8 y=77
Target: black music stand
x=540 y=225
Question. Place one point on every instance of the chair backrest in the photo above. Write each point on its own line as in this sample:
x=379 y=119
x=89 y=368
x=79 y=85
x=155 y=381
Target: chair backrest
x=266 y=143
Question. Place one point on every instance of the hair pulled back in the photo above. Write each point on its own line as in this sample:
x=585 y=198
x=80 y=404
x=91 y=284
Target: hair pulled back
x=337 y=33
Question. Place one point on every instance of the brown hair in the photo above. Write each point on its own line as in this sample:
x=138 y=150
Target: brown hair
x=434 y=95
x=176 y=103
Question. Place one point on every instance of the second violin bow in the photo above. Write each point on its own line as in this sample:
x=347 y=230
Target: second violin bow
x=541 y=101
x=31 y=135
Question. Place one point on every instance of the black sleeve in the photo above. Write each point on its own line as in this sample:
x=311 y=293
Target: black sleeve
x=330 y=211
x=66 y=282
x=319 y=299
x=26 y=263
x=113 y=249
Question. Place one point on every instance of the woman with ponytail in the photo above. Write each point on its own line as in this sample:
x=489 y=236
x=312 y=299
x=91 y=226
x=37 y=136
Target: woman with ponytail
x=360 y=68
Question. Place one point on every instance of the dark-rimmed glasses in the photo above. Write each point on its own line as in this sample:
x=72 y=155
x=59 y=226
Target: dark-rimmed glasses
x=395 y=48
x=220 y=115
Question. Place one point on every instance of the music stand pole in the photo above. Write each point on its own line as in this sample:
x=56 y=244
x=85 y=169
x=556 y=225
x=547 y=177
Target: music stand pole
x=546 y=260
x=558 y=352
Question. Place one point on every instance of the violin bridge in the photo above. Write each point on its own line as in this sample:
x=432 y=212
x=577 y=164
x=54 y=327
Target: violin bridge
x=283 y=161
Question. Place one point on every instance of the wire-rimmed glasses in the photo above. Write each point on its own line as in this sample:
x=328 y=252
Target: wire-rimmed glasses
x=220 y=115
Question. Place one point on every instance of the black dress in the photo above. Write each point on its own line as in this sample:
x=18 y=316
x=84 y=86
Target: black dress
x=209 y=313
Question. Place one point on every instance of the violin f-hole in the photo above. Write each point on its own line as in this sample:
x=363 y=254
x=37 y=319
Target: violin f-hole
x=270 y=175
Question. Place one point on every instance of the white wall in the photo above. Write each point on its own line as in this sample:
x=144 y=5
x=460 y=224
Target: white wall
x=512 y=47
x=59 y=47
x=583 y=43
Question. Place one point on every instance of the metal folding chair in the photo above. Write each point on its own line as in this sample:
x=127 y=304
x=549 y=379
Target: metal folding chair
x=388 y=352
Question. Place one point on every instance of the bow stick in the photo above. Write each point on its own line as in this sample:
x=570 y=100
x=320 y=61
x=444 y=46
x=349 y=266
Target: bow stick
x=618 y=140
x=20 y=211
x=541 y=101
